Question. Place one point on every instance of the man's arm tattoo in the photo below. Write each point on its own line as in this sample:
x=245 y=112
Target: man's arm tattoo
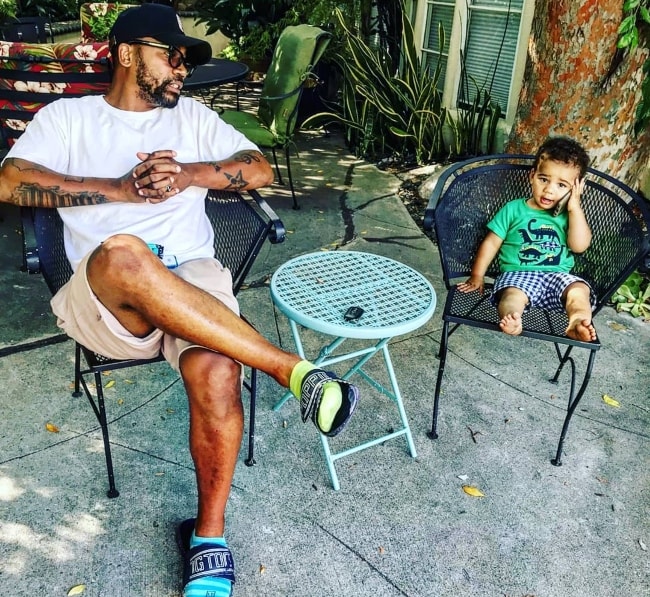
x=235 y=182
x=33 y=195
x=247 y=158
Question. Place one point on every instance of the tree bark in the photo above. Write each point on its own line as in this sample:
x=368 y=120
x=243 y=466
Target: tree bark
x=577 y=84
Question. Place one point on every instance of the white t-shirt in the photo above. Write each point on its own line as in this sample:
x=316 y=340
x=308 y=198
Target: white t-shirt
x=87 y=137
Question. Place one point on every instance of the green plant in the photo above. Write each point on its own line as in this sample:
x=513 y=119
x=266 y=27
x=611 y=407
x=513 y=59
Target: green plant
x=387 y=112
x=633 y=296
x=634 y=24
x=101 y=22
x=469 y=126
x=254 y=27
x=8 y=10
x=248 y=25
x=56 y=10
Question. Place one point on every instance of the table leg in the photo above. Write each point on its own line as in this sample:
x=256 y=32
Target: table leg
x=362 y=356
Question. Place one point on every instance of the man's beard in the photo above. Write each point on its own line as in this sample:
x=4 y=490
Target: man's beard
x=153 y=94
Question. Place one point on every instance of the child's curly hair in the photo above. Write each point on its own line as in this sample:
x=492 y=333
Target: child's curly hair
x=565 y=150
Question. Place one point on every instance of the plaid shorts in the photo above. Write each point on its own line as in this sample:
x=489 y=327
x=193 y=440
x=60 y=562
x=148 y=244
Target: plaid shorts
x=543 y=289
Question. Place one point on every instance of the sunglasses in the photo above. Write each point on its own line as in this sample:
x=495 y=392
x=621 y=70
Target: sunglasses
x=174 y=56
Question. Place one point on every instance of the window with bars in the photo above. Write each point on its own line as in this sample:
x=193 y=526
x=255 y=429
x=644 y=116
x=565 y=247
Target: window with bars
x=485 y=34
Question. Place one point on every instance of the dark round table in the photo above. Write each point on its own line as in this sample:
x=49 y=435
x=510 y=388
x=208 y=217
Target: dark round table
x=218 y=71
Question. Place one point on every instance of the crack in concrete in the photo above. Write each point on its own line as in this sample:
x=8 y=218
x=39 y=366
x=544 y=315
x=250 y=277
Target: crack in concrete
x=363 y=559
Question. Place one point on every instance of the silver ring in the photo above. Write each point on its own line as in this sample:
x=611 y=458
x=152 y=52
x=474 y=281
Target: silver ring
x=168 y=188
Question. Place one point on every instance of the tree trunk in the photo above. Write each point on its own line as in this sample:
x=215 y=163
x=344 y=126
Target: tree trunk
x=573 y=86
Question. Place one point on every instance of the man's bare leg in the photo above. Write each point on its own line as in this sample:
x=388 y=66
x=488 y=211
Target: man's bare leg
x=578 y=309
x=134 y=285
x=512 y=303
x=213 y=386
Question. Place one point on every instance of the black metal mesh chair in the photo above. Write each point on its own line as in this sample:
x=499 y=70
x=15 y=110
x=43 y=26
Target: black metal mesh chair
x=466 y=197
x=241 y=227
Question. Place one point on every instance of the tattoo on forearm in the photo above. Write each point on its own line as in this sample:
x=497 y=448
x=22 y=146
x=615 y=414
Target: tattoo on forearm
x=247 y=158
x=33 y=195
x=235 y=182
x=216 y=166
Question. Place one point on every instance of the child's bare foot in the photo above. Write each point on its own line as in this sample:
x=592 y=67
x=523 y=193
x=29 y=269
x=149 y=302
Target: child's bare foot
x=581 y=329
x=511 y=324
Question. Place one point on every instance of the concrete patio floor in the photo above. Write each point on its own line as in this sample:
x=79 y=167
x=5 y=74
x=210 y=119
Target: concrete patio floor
x=398 y=526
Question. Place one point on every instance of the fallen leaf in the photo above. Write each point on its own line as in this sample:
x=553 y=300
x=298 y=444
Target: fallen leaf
x=170 y=410
x=107 y=372
x=284 y=424
x=262 y=568
x=642 y=545
x=51 y=427
x=110 y=384
x=618 y=327
x=76 y=590
x=473 y=491
x=120 y=401
x=611 y=401
x=463 y=477
x=382 y=551
x=159 y=474
x=128 y=381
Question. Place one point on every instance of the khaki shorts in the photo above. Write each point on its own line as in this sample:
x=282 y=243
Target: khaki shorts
x=80 y=314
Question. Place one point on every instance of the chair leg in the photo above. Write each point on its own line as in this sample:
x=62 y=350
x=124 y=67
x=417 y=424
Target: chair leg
x=99 y=408
x=101 y=417
x=250 y=461
x=573 y=402
x=77 y=370
x=277 y=167
x=563 y=358
x=293 y=192
x=433 y=434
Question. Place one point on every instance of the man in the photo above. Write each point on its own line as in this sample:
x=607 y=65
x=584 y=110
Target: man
x=130 y=169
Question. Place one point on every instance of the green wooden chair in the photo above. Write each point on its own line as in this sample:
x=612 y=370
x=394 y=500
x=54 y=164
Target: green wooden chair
x=298 y=50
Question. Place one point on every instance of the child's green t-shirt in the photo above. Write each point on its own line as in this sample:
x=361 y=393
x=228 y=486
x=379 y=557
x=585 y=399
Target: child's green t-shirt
x=533 y=239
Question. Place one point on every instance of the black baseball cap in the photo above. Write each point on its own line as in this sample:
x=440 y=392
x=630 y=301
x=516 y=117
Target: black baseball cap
x=162 y=23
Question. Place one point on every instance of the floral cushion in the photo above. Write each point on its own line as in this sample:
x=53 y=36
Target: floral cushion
x=83 y=70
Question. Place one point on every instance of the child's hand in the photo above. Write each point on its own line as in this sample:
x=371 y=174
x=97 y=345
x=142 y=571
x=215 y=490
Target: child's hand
x=472 y=284
x=576 y=191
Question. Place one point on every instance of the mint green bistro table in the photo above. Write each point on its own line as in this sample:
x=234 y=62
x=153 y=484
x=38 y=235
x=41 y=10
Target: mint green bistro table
x=316 y=290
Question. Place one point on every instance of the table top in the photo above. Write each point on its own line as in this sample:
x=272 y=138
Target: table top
x=216 y=72
x=316 y=290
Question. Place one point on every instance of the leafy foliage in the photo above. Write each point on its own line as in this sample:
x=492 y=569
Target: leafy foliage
x=633 y=297
x=398 y=111
x=251 y=26
x=634 y=24
x=102 y=21
x=384 y=111
x=7 y=10
x=254 y=27
x=56 y=10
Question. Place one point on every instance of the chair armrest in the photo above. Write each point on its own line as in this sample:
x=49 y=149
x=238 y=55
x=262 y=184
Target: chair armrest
x=31 y=259
x=277 y=231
